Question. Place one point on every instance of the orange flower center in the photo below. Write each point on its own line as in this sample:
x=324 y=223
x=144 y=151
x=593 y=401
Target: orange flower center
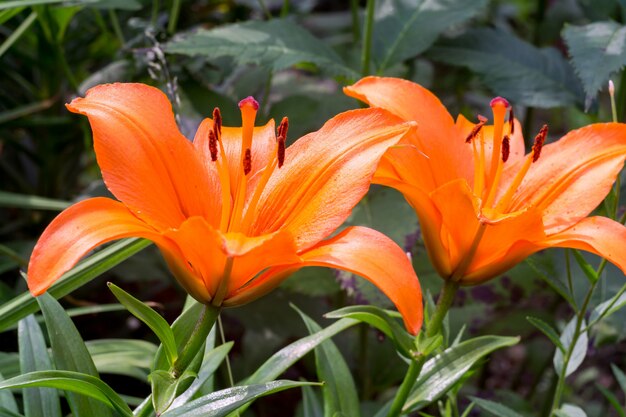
x=233 y=218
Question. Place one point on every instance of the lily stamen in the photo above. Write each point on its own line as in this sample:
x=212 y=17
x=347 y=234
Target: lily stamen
x=506 y=148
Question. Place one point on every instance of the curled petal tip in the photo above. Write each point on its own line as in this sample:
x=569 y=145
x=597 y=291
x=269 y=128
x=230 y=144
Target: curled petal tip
x=499 y=101
x=249 y=101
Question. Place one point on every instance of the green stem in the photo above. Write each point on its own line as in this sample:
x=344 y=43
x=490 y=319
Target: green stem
x=367 y=38
x=174 y=12
x=265 y=10
x=444 y=303
x=356 y=26
x=197 y=339
x=284 y=11
x=116 y=26
x=155 y=12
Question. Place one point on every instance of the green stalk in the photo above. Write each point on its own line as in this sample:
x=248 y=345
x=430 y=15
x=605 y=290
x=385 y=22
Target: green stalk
x=174 y=12
x=356 y=27
x=116 y=26
x=196 y=340
x=367 y=38
x=450 y=287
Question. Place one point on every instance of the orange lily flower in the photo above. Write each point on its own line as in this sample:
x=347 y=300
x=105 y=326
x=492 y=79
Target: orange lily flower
x=234 y=212
x=483 y=205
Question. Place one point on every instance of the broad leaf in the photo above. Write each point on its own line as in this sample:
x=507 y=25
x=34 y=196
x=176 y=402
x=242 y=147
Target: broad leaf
x=513 y=68
x=70 y=354
x=222 y=402
x=496 y=409
x=74 y=382
x=579 y=352
x=406 y=28
x=38 y=402
x=276 y=44
x=122 y=356
x=339 y=391
x=596 y=51
x=151 y=318
x=165 y=387
x=310 y=403
x=24 y=304
x=440 y=373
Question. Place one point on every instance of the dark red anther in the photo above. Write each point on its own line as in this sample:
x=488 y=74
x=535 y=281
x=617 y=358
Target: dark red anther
x=247 y=162
x=476 y=129
x=506 y=148
x=283 y=127
x=217 y=123
x=539 y=140
x=280 y=154
x=511 y=121
x=213 y=145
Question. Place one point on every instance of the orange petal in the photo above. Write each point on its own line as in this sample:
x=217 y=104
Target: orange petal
x=145 y=161
x=437 y=135
x=573 y=175
x=325 y=175
x=599 y=235
x=378 y=259
x=75 y=232
x=207 y=249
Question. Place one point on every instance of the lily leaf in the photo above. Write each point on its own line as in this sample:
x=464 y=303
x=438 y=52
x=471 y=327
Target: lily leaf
x=24 y=304
x=7 y=400
x=513 y=68
x=75 y=382
x=406 y=28
x=220 y=403
x=339 y=391
x=495 y=408
x=596 y=51
x=379 y=318
x=546 y=329
x=70 y=354
x=151 y=318
x=276 y=44
x=165 y=387
x=580 y=349
x=128 y=357
x=608 y=307
x=38 y=402
x=440 y=373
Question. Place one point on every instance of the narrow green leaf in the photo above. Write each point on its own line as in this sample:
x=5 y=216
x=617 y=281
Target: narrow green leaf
x=70 y=354
x=75 y=382
x=123 y=356
x=596 y=51
x=339 y=391
x=7 y=400
x=495 y=408
x=220 y=403
x=608 y=307
x=24 y=304
x=38 y=402
x=405 y=29
x=377 y=317
x=546 y=329
x=151 y=318
x=620 y=377
x=580 y=349
x=310 y=403
x=104 y=4
x=9 y=13
x=275 y=44
x=17 y=33
x=611 y=398
x=5 y=412
x=590 y=273
x=513 y=68
x=210 y=363
x=442 y=372
x=287 y=356
x=165 y=387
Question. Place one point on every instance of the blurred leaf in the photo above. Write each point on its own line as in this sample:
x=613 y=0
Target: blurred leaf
x=544 y=268
x=378 y=318
x=114 y=72
x=6 y=399
x=579 y=352
x=9 y=13
x=210 y=363
x=95 y=265
x=38 y=402
x=310 y=403
x=122 y=356
x=276 y=44
x=75 y=382
x=513 y=68
x=620 y=377
x=610 y=397
x=444 y=370
x=313 y=281
x=494 y=408
x=17 y=33
x=70 y=354
x=31 y=202
x=587 y=269
x=339 y=391
x=151 y=318
x=4 y=412
x=546 y=329
x=222 y=402
x=596 y=51
x=406 y=28
x=608 y=307
x=104 y=4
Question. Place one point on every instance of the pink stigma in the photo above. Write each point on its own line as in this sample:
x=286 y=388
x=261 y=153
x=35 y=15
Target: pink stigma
x=249 y=101
x=499 y=101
